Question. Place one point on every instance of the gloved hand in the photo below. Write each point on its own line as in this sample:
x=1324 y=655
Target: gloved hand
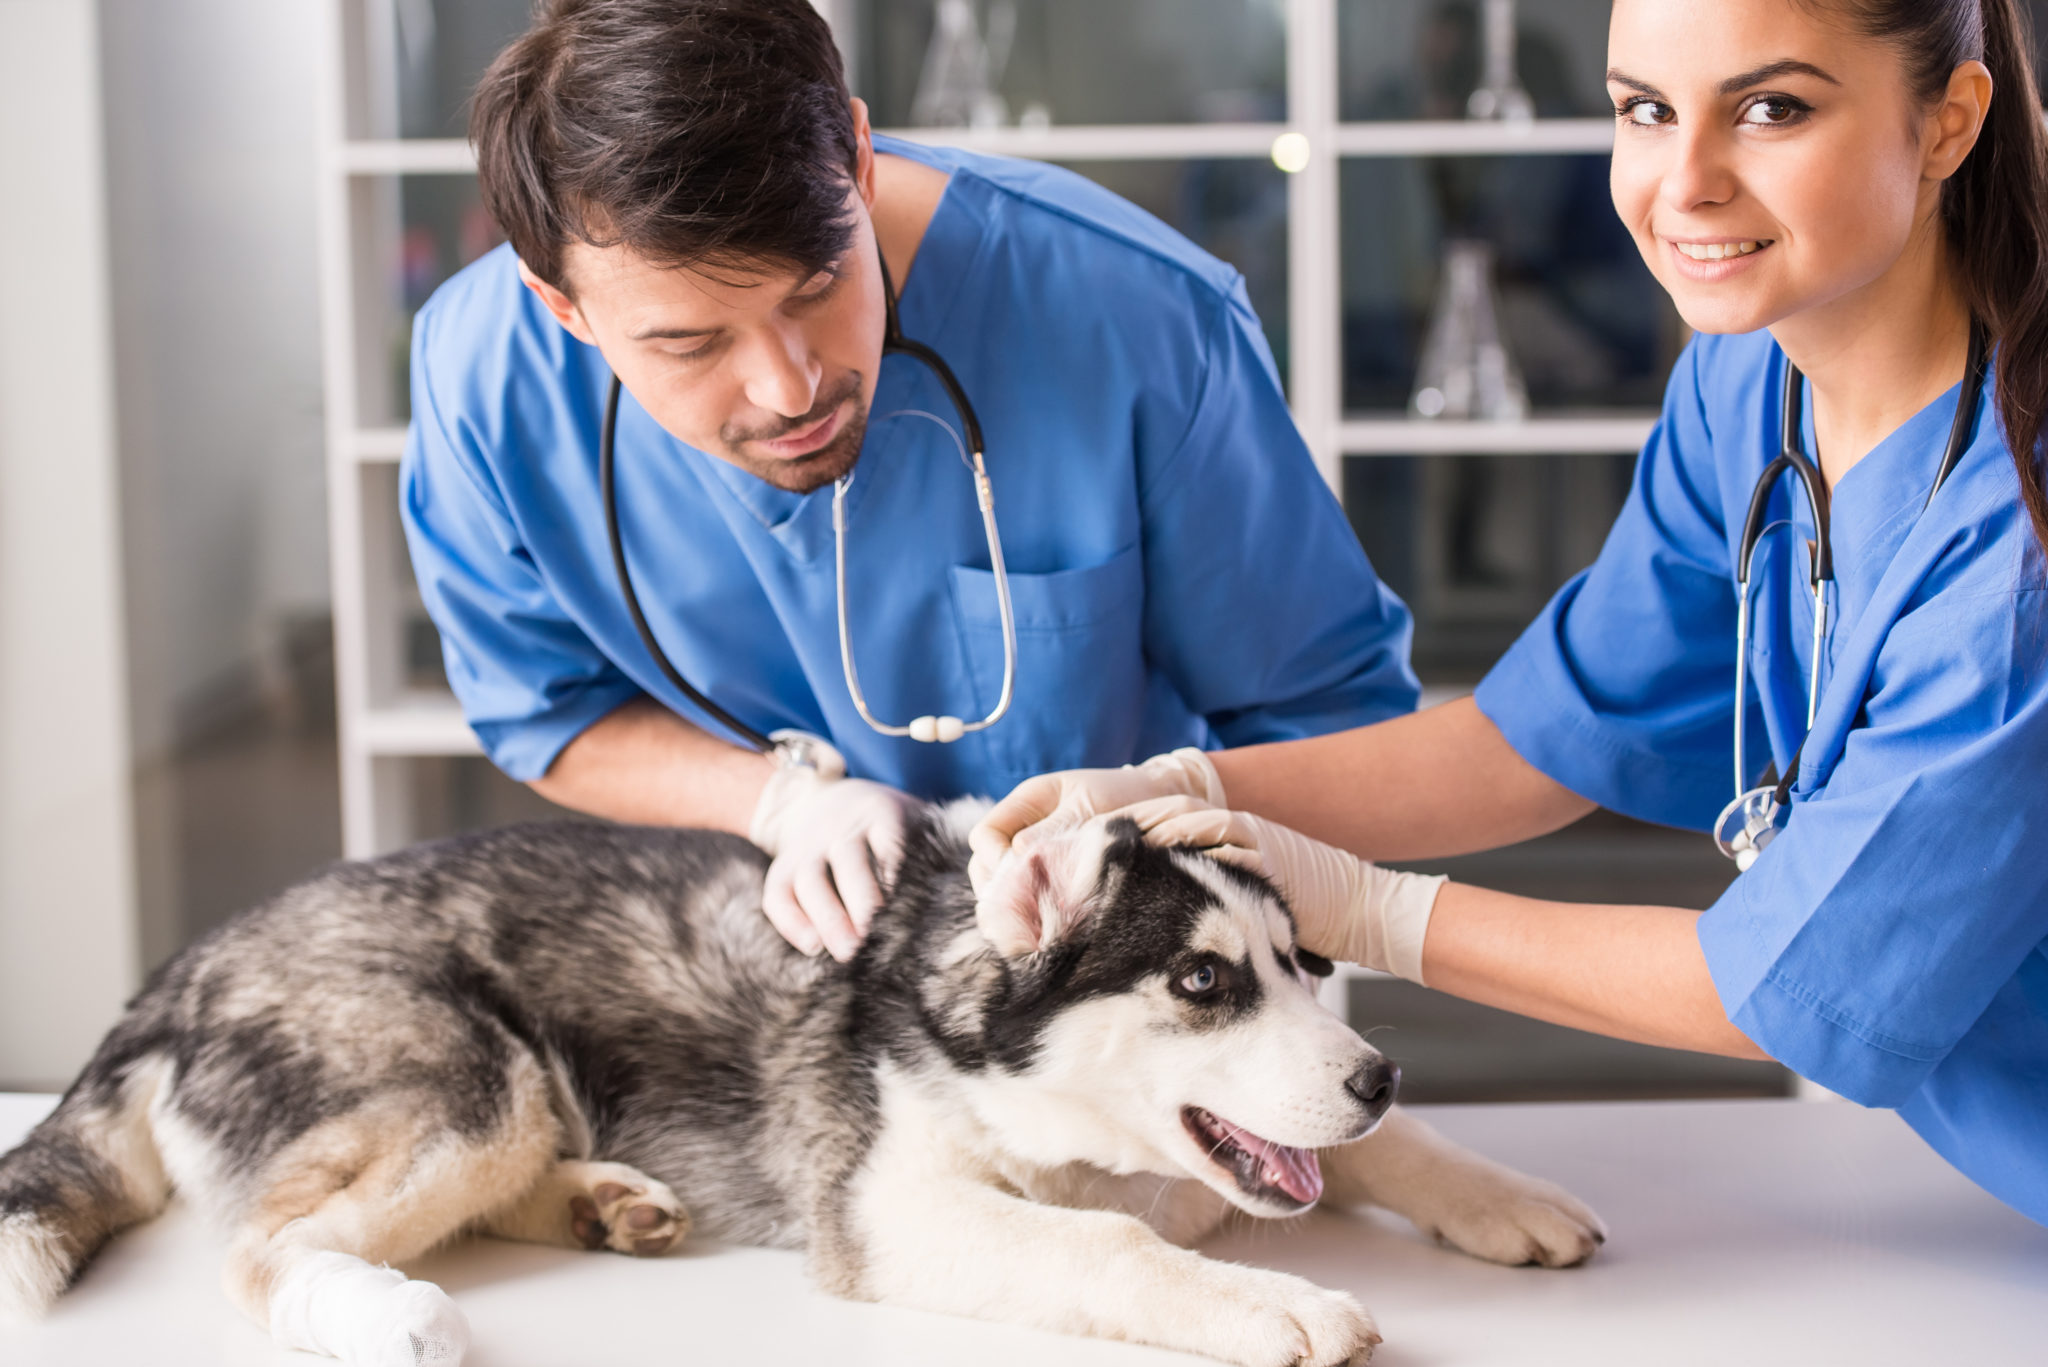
x=1344 y=907
x=1072 y=796
x=835 y=843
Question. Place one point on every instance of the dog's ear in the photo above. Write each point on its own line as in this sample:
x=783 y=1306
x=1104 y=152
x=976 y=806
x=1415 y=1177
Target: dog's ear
x=1044 y=887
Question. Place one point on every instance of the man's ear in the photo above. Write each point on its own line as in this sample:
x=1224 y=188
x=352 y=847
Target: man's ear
x=864 y=153
x=559 y=304
x=1043 y=889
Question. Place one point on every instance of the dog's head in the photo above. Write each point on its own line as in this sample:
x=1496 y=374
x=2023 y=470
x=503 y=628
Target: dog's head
x=1155 y=1014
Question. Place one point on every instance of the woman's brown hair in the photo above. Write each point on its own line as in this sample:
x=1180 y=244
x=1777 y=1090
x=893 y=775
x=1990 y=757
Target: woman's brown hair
x=1995 y=207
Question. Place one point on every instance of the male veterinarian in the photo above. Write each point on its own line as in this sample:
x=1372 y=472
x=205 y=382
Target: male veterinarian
x=695 y=204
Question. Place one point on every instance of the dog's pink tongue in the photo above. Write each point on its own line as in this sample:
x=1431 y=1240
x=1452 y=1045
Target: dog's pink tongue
x=1300 y=1175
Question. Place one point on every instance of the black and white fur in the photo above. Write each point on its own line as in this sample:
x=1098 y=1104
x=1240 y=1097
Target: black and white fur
x=589 y=1035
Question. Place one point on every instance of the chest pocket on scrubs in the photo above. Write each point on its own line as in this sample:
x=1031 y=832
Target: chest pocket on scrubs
x=1080 y=661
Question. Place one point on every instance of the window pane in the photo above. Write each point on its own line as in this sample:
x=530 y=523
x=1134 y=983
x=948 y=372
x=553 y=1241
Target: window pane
x=413 y=233
x=1420 y=59
x=1476 y=545
x=439 y=49
x=1071 y=61
x=1583 y=318
x=455 y=794
x=1235 y=208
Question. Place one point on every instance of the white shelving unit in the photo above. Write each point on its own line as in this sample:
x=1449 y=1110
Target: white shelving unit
x=385 y=726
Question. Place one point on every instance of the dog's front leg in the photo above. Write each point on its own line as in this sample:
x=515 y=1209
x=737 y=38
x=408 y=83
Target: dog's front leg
x=967 y=1248
x=1454 y=1195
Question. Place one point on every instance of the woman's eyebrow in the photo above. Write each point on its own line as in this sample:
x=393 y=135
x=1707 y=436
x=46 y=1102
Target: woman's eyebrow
x=1785 y=66
x=1615 y=77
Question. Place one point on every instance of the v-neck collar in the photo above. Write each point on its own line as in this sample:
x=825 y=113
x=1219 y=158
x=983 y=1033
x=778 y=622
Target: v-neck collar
x=1874 y=506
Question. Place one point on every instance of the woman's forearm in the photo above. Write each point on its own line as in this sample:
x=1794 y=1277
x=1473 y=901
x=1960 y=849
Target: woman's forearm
x=1435 y=783
x=1634 y=973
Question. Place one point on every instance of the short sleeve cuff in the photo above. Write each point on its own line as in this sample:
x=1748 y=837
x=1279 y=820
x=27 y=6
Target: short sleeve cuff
x=1531 y=696
x=1798 y=1028
x=524 y=748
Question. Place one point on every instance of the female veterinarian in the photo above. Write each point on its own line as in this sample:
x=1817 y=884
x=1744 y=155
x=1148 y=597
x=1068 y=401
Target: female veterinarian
x=1844 y=190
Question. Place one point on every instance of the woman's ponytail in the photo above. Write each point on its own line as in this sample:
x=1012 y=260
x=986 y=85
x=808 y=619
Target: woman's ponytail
x=1995 y=207
x=1996 y=210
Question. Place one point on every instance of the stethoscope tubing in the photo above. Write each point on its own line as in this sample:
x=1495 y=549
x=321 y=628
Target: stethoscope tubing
x=931 y=728
x=608 y=486
x=928 y=728
x=1820 y=580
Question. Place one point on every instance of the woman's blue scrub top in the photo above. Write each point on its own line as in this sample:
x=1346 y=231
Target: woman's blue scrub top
x=1892 y=942
x=1181 y=575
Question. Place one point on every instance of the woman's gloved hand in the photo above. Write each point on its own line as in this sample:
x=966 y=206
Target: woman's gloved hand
x=1344 y=907
x=835 y=843
x=1072 y=796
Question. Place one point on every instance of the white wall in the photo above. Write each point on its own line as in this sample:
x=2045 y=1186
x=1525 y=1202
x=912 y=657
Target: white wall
x=162 y=498
x=211 y=183
x=69 y=942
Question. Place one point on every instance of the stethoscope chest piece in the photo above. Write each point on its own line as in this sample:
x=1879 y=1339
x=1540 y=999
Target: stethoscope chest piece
x=1749 y=823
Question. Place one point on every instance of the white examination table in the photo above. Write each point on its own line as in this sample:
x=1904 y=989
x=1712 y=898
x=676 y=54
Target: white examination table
x=1757 y=1233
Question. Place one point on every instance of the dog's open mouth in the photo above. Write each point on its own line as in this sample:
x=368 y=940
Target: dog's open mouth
x=1273 y=1172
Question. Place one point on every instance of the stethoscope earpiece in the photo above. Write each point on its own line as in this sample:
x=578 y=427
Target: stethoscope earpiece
x=939 y=729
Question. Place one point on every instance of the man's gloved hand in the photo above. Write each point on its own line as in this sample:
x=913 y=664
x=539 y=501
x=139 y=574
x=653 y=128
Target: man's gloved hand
x=1074 y=795
x=1344 y=907
x=834 y=844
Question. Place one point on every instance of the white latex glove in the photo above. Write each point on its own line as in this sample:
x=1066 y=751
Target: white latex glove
x=1344 y=907
x=835 y=843
x=1072 y=796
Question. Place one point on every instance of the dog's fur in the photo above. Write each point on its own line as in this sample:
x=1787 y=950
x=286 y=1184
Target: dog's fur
x=589 y=1035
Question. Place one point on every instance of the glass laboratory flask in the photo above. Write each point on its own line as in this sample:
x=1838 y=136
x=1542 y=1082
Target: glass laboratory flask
x=1466 y=370
x=957 y=86
x=1499 y=95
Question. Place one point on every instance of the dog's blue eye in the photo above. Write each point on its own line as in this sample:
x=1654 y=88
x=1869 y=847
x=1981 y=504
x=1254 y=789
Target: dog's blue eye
x=1201 y=980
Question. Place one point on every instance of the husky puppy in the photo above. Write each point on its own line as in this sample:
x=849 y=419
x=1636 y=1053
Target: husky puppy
x=590 y=1036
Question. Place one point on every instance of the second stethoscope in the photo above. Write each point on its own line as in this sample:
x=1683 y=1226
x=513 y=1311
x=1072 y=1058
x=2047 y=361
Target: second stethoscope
x=796 y=746
x=1755 y=817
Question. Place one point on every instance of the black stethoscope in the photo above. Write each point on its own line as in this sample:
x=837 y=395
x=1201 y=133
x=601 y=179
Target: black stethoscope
x=801 y=747
x=1757 y=814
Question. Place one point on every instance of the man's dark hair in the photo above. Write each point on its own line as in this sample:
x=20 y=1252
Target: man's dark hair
x=710 y=132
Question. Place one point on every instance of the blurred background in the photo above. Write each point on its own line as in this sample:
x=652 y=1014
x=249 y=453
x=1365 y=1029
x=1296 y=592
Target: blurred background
x=214 y=671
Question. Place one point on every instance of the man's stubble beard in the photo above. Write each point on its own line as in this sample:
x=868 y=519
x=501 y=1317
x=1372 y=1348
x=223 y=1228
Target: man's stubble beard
x=822 y=466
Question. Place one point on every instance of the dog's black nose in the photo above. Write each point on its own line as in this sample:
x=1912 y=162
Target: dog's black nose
x=1374 y=1084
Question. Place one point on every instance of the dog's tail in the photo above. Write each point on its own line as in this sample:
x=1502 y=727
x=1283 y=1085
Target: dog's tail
x=88 y=1171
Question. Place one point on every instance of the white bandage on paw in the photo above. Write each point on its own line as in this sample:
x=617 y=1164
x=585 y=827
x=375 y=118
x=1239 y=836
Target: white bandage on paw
x=367 y=1316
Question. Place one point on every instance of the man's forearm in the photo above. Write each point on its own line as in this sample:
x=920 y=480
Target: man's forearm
x=1436 y=783
x=1633 y=973
x=644 y=764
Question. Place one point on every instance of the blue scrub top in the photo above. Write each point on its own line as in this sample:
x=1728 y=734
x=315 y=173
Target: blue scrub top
x=1892 y=942
x=1180 y=573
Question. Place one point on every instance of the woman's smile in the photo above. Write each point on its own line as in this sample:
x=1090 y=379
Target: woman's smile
x=1710 y=260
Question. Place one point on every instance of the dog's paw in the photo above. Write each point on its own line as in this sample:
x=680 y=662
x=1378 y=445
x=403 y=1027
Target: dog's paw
x=1277 y=1320
x=1506 y=1217
x=625 y=1210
